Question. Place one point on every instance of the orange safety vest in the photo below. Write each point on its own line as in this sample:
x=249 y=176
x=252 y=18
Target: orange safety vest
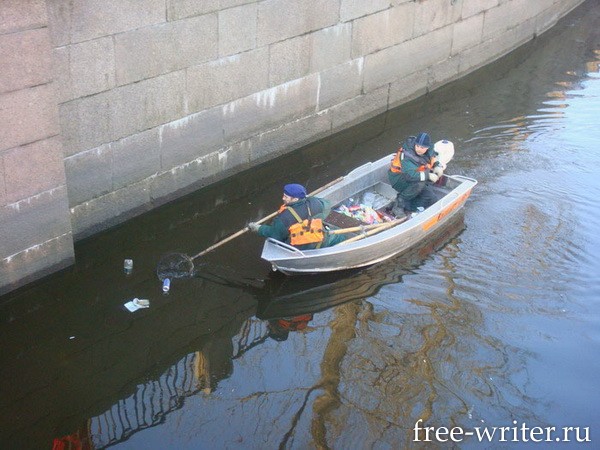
x=307 y=231
x=396 y=165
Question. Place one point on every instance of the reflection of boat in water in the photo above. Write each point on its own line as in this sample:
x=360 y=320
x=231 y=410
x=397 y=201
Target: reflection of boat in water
x=285 y=297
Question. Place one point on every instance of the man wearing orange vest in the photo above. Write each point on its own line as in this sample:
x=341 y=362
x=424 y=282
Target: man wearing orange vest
x=413 y=167
x=300 y=221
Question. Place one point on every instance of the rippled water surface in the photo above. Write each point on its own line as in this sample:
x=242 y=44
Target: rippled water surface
x=495 y=321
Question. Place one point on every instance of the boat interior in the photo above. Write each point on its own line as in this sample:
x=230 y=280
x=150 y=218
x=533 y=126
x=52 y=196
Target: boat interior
x=373 y=205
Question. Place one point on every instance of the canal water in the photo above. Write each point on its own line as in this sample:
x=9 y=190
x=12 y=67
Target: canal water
x=493 y=322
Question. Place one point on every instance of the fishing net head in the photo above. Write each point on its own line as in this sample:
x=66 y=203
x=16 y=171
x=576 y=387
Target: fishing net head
x=175 y=265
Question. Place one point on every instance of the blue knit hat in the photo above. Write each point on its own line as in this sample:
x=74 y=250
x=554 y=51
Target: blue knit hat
x=423 y=139
x=294 y=190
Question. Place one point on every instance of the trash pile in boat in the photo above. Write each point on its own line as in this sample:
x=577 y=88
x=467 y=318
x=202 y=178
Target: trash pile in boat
x=368 y=208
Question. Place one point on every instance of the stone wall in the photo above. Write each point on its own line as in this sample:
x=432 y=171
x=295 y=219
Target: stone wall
x=35 y=225
x=155 y=102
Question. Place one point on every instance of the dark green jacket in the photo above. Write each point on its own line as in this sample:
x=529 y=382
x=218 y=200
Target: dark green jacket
x=279 y=227
x=410 y=179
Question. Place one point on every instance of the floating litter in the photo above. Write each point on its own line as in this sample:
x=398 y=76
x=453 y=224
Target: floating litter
x=166 y=285
x=137 y=303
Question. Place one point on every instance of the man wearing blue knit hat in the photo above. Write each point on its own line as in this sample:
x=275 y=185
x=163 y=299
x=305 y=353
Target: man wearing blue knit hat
x=300 y=221
x=413 y=167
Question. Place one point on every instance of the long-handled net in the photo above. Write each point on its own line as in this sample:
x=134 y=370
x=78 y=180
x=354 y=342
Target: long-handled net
x=175 y=265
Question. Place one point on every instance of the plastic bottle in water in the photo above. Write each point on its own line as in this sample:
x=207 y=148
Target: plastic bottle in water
x=166 y=285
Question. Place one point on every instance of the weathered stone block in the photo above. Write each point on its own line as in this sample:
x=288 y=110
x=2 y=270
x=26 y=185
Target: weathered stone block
x=147 y=104
x=495 y=21
x=27 y=115
x=91 y=216
x=36 y=262
x=289 y=60
x=89 y=174
x=351 y=9
x=85 y=69
x=33 y=221
x=130 y=201
x=18 y=15
x=270 y=108
x=180 y=9
x=183 y=178
x=166 y=186
x=498 y=20
x=236 y=157
x=411 y=56
x=408 y=88
x=290 y=136
x=108 y=116
x=565 y=6
x=227 y=79
x=151 y=51
x=359 y=109
x=494 y=48
x=109 y=210
x=546 y=19
x=33 y=168
x=443 y=72
x=472 y=8
x=26 y=59
x=382 y=30
x=434 y=14
x=282 y=19
x=340 y=83
x=84 y=20
x=135 y=158
x=237 y=29
x=467 y=33
x=86 y=122
x=189 y=138
x=62 y=74
x=330 y=47
x=2 y=185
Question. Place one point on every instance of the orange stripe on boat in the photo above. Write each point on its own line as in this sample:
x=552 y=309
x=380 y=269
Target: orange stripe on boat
x=447 y=210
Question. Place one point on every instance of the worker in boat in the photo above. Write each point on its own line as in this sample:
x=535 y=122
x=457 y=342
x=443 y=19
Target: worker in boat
x=300 y=221
x=414 y=168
